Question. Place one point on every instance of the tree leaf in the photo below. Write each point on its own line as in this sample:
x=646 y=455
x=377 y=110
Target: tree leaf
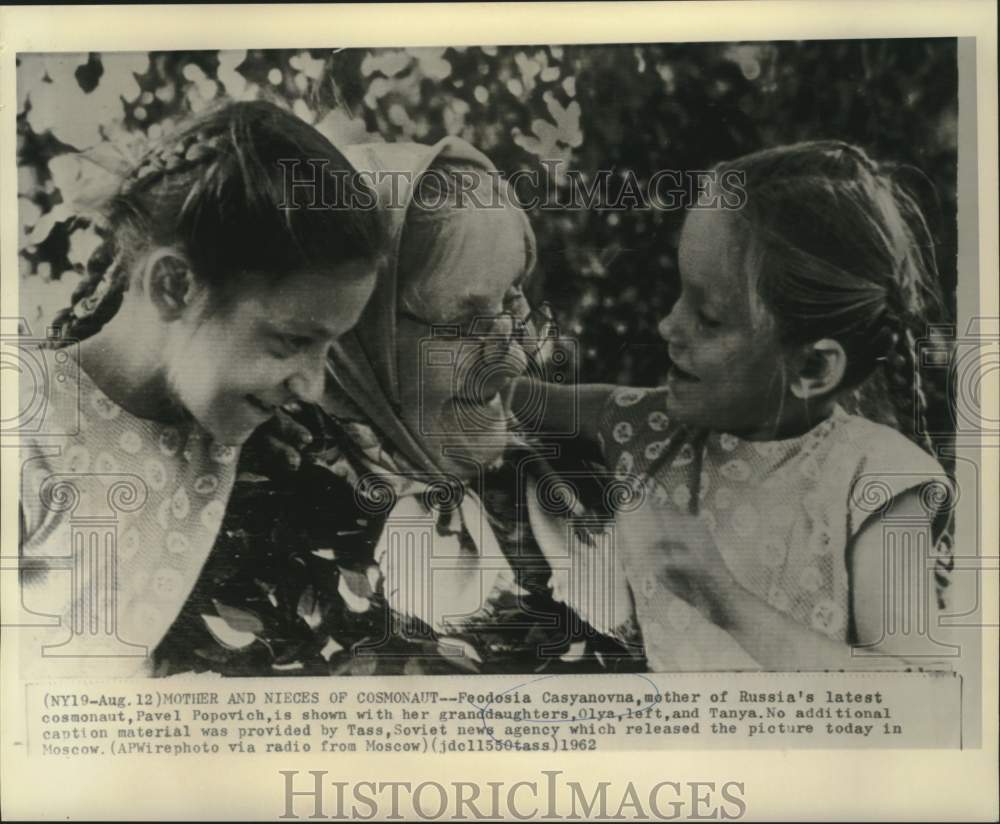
x=59 y=213
x=226 y=634
x=455 y=650
x=238 y=619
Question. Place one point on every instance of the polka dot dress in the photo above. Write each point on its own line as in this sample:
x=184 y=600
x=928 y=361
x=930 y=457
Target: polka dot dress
x=149 y=494
x=782 y=514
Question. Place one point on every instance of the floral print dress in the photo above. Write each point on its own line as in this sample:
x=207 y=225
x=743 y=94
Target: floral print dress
x=783 y=514
x=136 y=503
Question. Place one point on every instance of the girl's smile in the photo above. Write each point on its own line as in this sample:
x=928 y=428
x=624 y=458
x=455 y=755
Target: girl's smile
x=231 y=366
x=232 y=369
x=678 y=375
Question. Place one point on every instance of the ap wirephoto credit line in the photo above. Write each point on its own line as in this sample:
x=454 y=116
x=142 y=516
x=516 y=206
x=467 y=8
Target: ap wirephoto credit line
x=494 y=402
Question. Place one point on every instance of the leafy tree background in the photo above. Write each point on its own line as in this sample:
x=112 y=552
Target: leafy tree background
x=610 y=275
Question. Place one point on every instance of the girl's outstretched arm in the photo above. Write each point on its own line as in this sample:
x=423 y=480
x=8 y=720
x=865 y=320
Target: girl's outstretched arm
x=557 y=408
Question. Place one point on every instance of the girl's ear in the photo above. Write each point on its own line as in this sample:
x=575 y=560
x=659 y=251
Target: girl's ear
x=819 y=369
x=168 y=280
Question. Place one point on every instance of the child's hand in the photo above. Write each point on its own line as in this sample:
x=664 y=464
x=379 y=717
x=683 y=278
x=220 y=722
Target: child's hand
x=276 y=447
x=685 y=557
x=693 y=568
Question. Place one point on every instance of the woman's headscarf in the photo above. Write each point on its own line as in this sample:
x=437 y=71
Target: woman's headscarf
x=364 y=386
x=364 y=366
x=364 y=383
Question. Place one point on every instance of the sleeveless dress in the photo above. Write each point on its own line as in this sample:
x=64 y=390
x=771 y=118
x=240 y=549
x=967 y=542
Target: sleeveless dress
x=783 y=514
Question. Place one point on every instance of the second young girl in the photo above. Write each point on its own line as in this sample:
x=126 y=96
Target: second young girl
x=760 y=543
x=212 y=303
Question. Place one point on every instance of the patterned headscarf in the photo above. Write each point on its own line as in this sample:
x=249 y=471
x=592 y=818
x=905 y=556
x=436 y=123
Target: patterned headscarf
x=363 y=386
x=364 y=365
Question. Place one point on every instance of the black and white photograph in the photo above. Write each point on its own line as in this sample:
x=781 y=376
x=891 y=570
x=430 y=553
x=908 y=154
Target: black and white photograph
x=550 y=369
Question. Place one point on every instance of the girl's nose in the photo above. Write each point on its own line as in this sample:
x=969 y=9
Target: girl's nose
x=309 y=381
x=668 y=327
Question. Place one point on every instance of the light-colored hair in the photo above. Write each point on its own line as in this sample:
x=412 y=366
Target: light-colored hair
x=444 y=227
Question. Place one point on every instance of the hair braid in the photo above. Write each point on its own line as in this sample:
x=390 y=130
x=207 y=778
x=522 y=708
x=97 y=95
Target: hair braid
x=215 y=193
x=95 y=300
x=906 y=391
x=944 y=558
x=184 y=153
x=99 y=295
x=902 y=367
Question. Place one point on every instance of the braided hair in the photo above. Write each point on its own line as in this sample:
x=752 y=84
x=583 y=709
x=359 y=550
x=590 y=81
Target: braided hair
x=838 y=248
x=217 y=192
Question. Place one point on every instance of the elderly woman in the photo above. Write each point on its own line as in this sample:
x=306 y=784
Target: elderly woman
x=411 y=539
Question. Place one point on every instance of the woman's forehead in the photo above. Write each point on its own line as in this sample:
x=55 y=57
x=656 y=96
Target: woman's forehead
x=474 y=266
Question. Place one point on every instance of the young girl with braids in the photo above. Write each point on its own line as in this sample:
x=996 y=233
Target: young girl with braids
x=757 y=542
x=213 y=303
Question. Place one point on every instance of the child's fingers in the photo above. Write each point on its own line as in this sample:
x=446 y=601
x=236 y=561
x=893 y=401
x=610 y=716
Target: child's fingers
x=287 y=429
x=270 y=455
x=281 y=455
